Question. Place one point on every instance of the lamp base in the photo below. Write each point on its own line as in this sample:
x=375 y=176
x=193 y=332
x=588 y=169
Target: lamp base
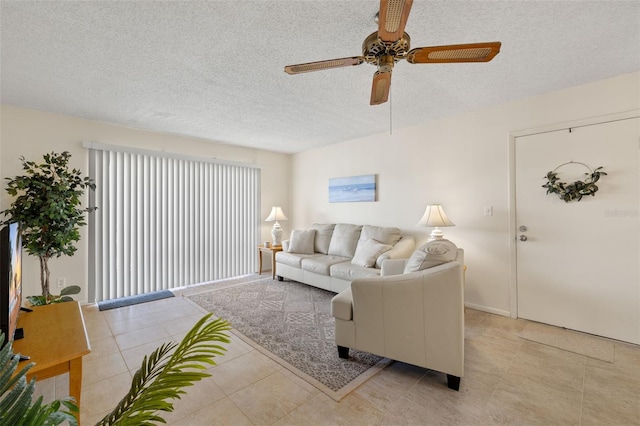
x=436 y=234
x=276 y=234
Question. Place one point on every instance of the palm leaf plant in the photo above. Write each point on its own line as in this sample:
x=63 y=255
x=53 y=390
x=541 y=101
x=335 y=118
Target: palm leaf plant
x=16 y=394
x=166 y=371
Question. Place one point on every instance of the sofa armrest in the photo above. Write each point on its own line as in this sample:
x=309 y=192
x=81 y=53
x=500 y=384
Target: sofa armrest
x=393 y=267
x=342 y=305
x=285 y=245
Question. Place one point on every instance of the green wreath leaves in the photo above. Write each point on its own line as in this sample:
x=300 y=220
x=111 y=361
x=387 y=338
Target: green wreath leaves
x=576 y=190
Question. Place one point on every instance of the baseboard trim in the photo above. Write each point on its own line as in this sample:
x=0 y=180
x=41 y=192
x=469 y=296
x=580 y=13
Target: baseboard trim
x=488 y=309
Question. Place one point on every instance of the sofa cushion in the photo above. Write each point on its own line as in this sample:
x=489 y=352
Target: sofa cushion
x=302 y=241
x=344 y=240
x=348 y=271
x=321 y=264
x=323 y=236
x=385 y=235
x=368 y=251
x=431 y=254
x=293 y=259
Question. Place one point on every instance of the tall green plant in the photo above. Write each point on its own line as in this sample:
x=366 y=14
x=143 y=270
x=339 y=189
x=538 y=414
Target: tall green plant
x=48 y=206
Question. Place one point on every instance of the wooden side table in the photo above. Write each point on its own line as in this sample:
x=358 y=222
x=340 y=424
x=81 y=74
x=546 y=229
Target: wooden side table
x=273 y=250
x=56 y=339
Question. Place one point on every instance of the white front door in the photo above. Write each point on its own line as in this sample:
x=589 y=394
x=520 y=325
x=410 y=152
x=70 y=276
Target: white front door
x=579 y=265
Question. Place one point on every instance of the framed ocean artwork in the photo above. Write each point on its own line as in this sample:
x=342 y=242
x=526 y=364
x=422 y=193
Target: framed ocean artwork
x=352 y=189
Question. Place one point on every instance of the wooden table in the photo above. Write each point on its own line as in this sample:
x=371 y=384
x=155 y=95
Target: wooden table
x=273 y=250
x=55 y=338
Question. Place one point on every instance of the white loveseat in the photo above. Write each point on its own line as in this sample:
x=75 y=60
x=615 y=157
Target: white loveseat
x=415 y=317
x=330 y=256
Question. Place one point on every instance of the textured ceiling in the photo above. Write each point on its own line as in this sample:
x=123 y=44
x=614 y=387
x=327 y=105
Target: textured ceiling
x=214 y=69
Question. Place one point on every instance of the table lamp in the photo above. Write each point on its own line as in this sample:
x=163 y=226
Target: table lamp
x=435 y=216
x=276 y=232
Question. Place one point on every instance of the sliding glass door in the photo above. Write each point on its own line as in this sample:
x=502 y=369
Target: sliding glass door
x=166 y=221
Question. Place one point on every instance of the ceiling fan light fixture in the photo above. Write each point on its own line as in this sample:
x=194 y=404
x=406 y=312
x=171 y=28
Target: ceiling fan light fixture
x=385 y=63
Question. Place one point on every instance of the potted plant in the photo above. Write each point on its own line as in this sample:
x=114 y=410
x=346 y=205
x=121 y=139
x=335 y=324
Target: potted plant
x=48 y=207
x=16 y=406
x=160 y=380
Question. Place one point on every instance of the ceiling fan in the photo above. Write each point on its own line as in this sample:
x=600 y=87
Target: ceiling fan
x=390 y=44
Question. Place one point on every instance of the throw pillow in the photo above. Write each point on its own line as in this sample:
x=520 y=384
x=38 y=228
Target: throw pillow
x=323 y=236
x=431 y=254
x=383 y=234
x=301 y=242
x=344 y=240
x=368 y=251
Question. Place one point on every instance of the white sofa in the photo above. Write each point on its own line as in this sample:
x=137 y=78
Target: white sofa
x=415 y=317
x=330 y=256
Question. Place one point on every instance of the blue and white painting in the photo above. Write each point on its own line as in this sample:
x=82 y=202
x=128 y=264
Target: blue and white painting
x=352 y=189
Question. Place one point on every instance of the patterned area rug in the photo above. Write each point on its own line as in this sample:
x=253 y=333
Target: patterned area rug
x=292 y=323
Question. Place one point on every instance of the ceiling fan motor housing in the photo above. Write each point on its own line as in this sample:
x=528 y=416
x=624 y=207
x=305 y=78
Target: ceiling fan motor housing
x=378 y=52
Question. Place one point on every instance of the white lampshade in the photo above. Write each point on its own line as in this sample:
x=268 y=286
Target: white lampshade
x=435 y=216
x=276 y=214
x=276 y=232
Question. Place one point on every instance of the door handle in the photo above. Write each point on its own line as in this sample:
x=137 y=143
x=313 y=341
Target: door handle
x=523 y=238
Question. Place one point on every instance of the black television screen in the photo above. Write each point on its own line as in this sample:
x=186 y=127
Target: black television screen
x=10 y=279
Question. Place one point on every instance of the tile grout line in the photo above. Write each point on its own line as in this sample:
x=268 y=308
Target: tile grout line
x=584 y=379
x=246 y=414
x=506 y=371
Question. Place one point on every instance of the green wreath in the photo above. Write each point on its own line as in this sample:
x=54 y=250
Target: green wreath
x=576 y=190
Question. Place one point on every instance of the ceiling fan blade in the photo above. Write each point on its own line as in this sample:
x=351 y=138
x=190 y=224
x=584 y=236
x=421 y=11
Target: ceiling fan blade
x=393 y=18
x=474 y=52
x=323 y=65
x=380 y=87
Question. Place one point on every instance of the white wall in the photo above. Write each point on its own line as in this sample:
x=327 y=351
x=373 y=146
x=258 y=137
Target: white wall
x=460 y=162
x=31 y=134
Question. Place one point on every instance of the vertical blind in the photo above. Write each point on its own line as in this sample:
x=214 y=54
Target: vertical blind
x=168 y=221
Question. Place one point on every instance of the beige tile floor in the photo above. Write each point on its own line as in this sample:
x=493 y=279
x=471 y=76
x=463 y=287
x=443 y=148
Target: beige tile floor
x=507 y=380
